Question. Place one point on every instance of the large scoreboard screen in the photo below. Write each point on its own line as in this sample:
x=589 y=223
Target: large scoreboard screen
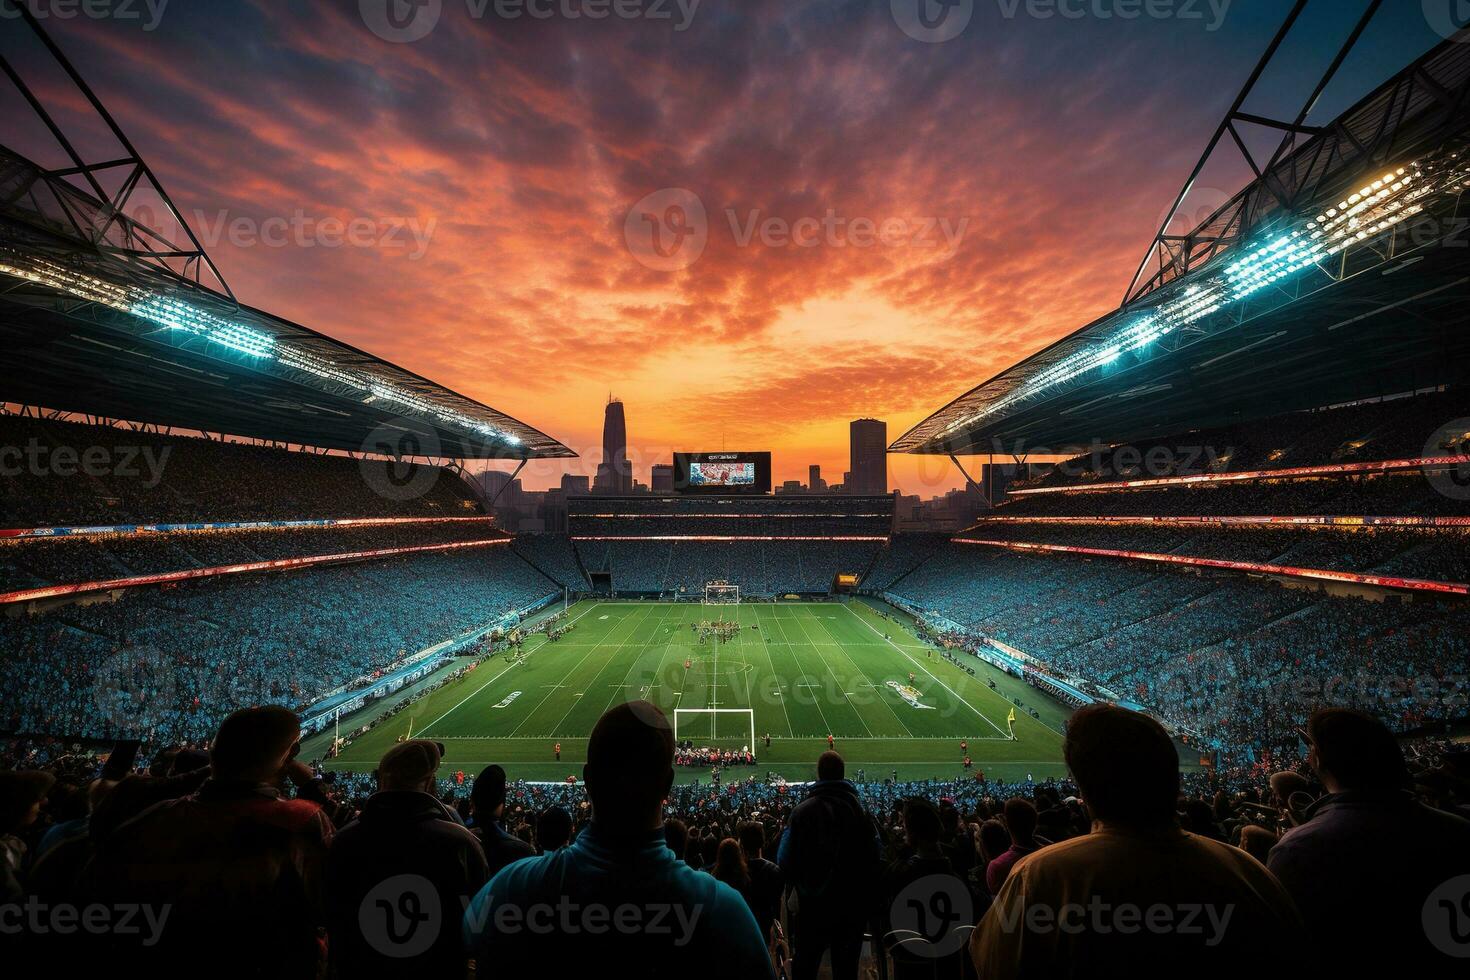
x=722 y=472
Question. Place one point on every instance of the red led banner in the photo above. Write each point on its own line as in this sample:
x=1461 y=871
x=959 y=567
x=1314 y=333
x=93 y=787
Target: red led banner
x=1327 y=574
x=279 y=564
x=1335 y=469
x=1320 y=520
x=200 y=527
x=711 y=537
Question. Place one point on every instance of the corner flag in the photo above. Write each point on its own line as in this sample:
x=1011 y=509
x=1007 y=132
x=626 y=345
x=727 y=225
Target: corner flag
x=1011 y=722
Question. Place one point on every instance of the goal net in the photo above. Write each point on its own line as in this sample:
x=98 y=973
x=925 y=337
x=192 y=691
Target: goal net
x=707 y=724
x=721 y=594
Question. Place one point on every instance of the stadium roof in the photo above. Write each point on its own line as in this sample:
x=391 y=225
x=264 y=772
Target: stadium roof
x=1341 y=273
x=104 y=315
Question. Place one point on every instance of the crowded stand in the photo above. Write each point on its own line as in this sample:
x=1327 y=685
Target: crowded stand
x=68 y=473
x=30 y=563
x=1233 y=659
x=1435 y=554
x=553 y=555
x=783 y=515
x=798 y=871
x=1388 y=429
x=168 y=664
x=1388 y=495
x=760 y=568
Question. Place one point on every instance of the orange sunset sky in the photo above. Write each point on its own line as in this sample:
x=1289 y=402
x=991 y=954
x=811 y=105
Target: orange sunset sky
x=1038 y=153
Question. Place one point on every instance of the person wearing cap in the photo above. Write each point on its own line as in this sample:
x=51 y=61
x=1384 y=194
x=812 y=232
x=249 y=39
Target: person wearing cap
x=487 y=806
x=236 y=867
x=405 y=835
x=21 y=796
x=617 y=898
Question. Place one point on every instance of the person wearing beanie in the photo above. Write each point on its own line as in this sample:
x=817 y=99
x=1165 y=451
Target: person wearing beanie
x=487 y=806
x=399 y=875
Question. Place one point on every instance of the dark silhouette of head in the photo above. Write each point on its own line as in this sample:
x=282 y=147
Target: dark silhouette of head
x=995 y=840
x=630 y=767
x=1354 y=751
x=1021 y=820
x=921 y=824
x=729 y=864
x=1126 y=766
x=831 y=766
x=752 y=839
x=488 y=794
x=553 y=828
x=254 y=744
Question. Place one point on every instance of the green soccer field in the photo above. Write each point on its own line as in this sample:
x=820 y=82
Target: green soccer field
x=795 y=671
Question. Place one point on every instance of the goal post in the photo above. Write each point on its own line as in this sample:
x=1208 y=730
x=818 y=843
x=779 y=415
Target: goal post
x=706 y=723
x=721 y=594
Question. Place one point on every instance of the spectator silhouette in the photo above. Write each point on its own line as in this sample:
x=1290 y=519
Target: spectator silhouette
x=405 y=856
x=553 y=829
x=829 y=855
x=1138 y=896
x=766 y=881
x=233 y=871
x=487 y=805
x=617 y=895
x=927 y=867
x=1365 y=860
x=1021 y=819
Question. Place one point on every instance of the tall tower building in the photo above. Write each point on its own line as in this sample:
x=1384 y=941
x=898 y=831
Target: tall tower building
x=868 y=456
x=814 y=482
x=615 y=474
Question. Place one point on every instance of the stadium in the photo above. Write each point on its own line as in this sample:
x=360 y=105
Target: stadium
x=1237 y=501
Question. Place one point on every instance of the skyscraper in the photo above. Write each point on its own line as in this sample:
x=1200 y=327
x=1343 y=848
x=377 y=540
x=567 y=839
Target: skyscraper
x=814 y=482
x=868 y=456
x=615 y=474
